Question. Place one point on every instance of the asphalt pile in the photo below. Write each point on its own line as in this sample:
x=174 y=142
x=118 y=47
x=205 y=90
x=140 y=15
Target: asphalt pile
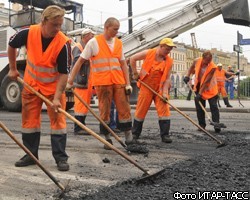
x=223 y=173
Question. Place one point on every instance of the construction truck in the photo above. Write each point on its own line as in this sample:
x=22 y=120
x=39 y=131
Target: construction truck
x=190 y=16
x=30 y=13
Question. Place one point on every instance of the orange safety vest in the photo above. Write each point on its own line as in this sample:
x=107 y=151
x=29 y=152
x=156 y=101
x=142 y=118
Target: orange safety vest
x=41 y=68
x=221 y=75
x=105 y=66
x=211 y=85
x=147 y=65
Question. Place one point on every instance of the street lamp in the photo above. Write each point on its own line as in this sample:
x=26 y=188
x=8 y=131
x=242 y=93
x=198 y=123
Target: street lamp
x=130 y=14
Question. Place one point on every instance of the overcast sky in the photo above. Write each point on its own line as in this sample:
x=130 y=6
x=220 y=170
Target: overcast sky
x=211 y=34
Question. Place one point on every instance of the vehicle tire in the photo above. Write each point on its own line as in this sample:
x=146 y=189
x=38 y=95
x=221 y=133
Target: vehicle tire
x=11 y=94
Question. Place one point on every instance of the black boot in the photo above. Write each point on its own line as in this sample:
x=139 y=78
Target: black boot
x=137 y=128
x=164 y=130
x=219 y=103
x=77 y=129
x=31 y=141
x=58 y=144
x=227 y=102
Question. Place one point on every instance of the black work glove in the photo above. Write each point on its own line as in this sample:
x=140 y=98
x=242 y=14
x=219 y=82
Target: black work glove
x=186 y=79
x=198 y=97
x=237 y=73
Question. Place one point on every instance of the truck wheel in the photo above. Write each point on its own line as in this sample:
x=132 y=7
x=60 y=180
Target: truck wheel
x=11 y=94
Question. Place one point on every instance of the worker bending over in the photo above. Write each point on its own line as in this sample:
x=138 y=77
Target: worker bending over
x=155 y=72
x=205 y=87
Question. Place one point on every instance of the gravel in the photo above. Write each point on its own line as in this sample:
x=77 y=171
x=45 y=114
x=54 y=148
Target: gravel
x=221 y=172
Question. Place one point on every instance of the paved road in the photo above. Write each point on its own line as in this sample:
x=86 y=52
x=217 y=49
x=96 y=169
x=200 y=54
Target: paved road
x=88 y=172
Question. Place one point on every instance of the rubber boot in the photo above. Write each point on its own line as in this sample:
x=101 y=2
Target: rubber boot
x=227 y=102
x=137 y=128
x=106 y=133
x=31 y=141
x=77 y=129
x=58 y=144
x=164 y=130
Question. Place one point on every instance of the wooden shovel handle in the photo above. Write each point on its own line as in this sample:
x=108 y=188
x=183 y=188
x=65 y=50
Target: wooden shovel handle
x=99 y=119
x=183 y=114
x=84 y=127
x=32 y=156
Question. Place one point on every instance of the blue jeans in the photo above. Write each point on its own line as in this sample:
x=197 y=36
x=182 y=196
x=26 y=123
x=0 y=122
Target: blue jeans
x=230 y=89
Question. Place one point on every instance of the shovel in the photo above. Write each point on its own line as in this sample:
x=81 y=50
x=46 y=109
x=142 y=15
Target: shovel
x=220 y=143
x=33 y=157
x=85 y=128
x=215 y=124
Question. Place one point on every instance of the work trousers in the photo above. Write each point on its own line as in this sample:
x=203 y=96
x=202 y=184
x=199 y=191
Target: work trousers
x=213 y=108
x=85 y=94
x=105 y=95
x=31 y=114
x=146 y=97
x=221 y=89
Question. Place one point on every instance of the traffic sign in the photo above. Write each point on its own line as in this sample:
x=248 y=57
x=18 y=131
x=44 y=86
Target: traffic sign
x=245 y=42
x=238 y=48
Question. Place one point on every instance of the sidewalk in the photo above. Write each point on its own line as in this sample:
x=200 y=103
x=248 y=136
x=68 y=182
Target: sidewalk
x=185 y=105
x=190 y=106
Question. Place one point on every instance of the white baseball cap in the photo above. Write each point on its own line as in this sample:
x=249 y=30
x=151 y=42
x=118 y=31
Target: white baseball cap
x=87 y=30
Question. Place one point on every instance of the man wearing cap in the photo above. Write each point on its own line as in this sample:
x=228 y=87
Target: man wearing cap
x=82 y=82
x=155 y=72
x=229 y=83
x=221 y=77
x=110 y=77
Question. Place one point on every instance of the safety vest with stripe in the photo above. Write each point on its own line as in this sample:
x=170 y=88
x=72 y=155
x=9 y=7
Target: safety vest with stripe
x=105 y=66
x=208 y=78
x=149 y=62
x=41 y=68
x=220 y=75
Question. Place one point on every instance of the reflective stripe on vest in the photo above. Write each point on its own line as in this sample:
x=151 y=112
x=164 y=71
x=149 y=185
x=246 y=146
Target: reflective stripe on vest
x=41 y=67
x=220 y=75
x=105 y=66
x=43 y=70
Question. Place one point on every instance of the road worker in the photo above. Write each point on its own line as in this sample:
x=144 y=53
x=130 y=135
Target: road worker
x=221 y=77
x=48 y=64
x=205 y=87
x=110 y=77
x=229 y=82
x=82 y=82
x=155 y=72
